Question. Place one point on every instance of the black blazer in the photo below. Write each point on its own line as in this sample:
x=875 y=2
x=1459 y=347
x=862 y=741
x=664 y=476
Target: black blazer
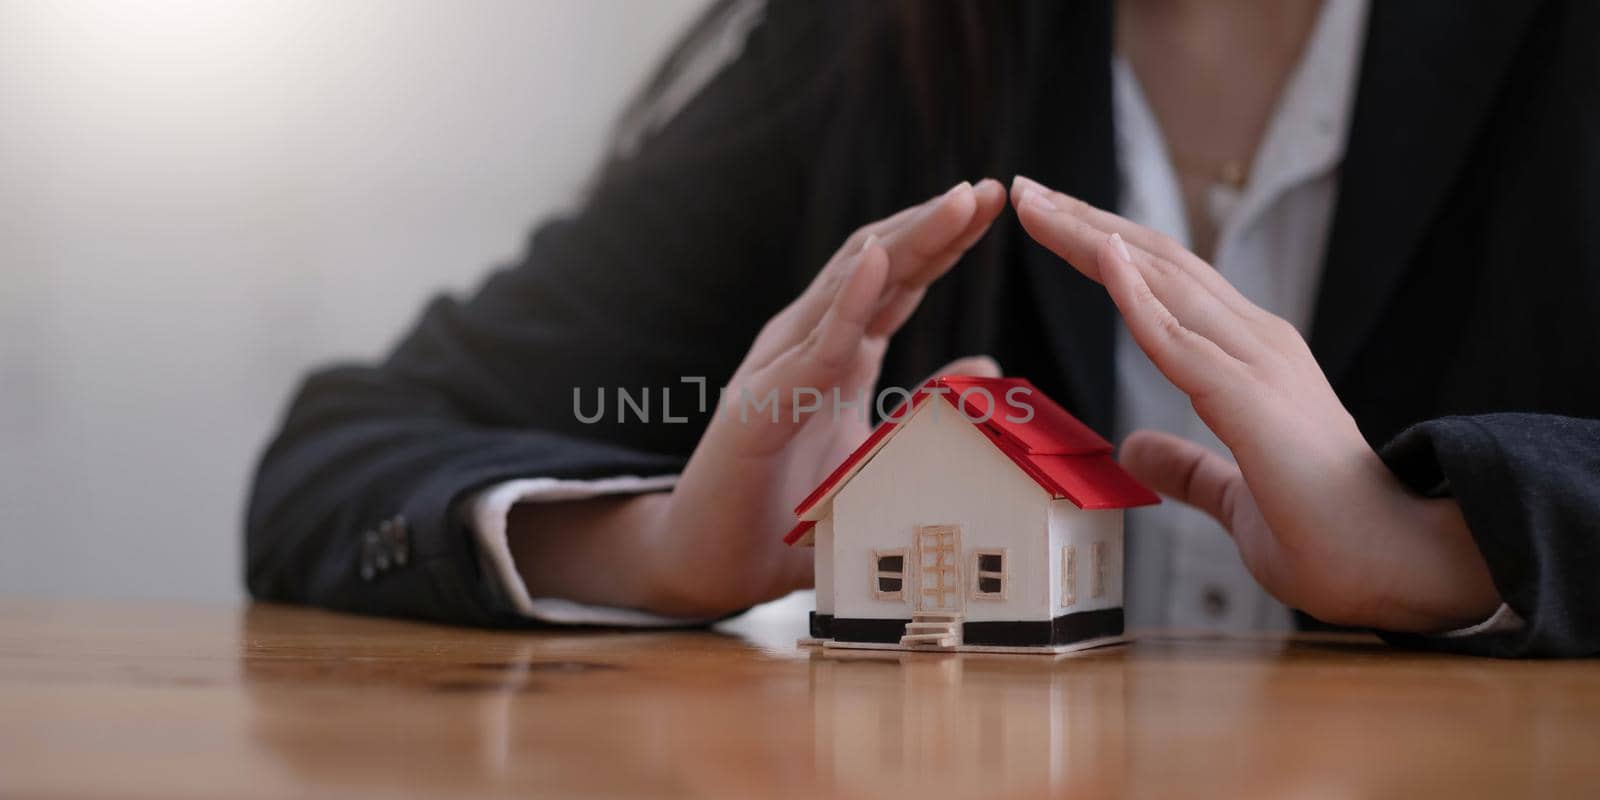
x=1459 y=316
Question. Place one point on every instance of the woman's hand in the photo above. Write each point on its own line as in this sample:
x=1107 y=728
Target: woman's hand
x=714 y=544
x=1319 y=520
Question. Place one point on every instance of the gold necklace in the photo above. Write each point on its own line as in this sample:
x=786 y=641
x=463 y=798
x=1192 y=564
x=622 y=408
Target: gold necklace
x=1233 y=173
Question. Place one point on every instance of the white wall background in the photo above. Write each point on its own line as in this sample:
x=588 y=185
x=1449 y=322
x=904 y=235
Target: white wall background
x=200 y=199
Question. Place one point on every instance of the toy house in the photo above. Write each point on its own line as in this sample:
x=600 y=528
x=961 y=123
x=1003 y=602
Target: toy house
x=981 y=516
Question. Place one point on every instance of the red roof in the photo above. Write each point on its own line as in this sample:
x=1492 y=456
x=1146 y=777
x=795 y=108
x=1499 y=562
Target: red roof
x=1052 y=447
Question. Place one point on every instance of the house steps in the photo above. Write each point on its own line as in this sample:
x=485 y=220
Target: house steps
x=932 y=631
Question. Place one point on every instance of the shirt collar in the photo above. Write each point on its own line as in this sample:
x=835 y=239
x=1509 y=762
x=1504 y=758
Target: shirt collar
x=1307 y=133
x=1305 y=136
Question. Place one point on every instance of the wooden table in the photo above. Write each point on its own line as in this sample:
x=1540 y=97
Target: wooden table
x=164 y=702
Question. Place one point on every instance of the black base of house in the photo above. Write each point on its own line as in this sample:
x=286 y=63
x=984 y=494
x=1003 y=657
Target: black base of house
x=846 y=629
x=821 y=626
x=1065 y=629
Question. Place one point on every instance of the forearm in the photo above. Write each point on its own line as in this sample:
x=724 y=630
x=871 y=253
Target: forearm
x=598 y=551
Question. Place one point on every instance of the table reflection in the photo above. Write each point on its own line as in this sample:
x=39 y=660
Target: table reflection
x=966 y=725
x=399 y=707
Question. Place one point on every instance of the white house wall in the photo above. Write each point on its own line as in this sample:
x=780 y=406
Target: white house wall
x=1072 y=525
x=822 y=540
x=940 y=470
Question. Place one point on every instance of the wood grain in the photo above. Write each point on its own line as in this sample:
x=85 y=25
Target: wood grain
x=119 y=700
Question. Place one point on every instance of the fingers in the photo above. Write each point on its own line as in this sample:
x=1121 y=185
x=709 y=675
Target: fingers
x=1184 y=471
x=1192 y=362
x=907 y=290
x=1194 y=475
x=931 y=238
x=833 y=343
x=1163 y=250
x=898 y=306
x=912 y=237
x=1179 y=289
x=928 y=233
x=922 y=242
x=832 y=351
x=868 y=290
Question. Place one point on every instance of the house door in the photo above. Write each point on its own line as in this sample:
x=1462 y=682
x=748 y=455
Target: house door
x=939 y=568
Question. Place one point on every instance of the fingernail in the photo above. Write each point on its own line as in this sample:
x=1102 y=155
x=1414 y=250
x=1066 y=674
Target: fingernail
x=1025 y=183
x=956 y=188
x=872 y=239
x=1122 y=247
x=1032 y=196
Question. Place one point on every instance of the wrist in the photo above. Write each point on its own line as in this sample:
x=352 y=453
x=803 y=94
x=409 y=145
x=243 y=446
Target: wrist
x=674 y=581
x=1437 y=580
x=1467 y=592
x=593 y=551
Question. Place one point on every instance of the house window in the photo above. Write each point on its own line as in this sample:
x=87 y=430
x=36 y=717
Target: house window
x=889 y=574
x=1098 y=587
x=989 y=577
x=1069 y=575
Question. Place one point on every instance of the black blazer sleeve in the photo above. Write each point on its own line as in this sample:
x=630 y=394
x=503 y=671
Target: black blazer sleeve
x=1529 y=486
x=668 y=270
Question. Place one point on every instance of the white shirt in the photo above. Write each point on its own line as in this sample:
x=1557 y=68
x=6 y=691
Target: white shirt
x=1184 y=570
